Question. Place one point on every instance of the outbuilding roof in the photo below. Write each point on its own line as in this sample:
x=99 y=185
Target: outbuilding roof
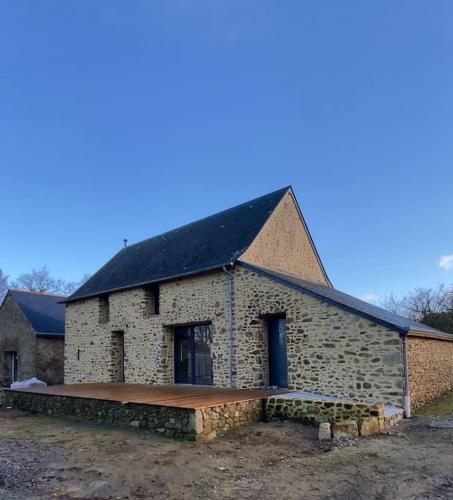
x=350 y=303
x=44 y=311
x=206 y=244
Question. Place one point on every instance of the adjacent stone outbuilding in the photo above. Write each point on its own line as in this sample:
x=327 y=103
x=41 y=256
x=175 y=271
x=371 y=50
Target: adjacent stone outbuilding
x=241 y=299
x=31 y=337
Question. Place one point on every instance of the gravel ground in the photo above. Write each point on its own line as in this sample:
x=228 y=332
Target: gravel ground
x=44 y=457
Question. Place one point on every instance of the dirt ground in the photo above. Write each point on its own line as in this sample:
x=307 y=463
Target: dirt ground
x=44 y=457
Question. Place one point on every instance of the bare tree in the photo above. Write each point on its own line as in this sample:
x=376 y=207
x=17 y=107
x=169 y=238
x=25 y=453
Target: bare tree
x=69 y=287
x=65 y=287
x=3 y=285
x=393 y=304
x=40 y=280
x=422 y=301
x=433 y=306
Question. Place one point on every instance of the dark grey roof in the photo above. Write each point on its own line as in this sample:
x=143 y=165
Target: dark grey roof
x=349 y=303
x=44 y=312
x=206 y=244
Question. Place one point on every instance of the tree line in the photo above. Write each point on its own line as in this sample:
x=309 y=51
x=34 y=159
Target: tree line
x=431 y=306
x=39 y=280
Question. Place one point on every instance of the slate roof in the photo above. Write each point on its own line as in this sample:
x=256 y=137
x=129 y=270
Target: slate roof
x=44 y=312
x=350 y=303
x=206 y=244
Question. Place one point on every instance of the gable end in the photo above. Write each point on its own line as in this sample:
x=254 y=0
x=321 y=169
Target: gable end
x=284 y=244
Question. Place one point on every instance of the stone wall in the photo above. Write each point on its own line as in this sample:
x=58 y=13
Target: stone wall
x=38 y=356
x=202 y=423
x=148 y=338
x=330 y=350
x=50 y=359
x=430 y=369
x=117 y=356
x=17 y=335
x=318 y=411
x=224 y=417
x=284 y=244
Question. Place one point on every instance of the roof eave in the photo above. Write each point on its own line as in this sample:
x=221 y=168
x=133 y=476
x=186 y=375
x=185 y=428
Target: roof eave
x=147 y=283
x=328 y=300
x=438 y=334
x=50 y=334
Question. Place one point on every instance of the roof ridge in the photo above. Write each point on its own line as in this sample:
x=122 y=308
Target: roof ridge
x=283 y=190
x=45 y=294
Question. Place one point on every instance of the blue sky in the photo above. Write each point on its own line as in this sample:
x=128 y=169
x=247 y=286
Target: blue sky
x=125 y=119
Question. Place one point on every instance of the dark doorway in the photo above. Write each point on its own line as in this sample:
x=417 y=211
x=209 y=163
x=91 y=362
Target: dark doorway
x=193 y=357
x=118 y=356
x=278 y=357
x=12 y=366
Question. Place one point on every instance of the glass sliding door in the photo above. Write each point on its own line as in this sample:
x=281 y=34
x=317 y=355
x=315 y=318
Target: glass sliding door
x=183 y=356
x=202 y=339
x=193 y=356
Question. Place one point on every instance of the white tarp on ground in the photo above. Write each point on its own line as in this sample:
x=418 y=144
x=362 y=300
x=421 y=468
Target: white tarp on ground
x=31 y=382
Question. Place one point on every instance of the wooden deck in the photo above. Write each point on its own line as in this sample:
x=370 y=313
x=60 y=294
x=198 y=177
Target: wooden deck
x=176 y=396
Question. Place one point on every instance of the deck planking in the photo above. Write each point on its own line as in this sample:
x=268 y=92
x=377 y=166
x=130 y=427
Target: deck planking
x=176 y=396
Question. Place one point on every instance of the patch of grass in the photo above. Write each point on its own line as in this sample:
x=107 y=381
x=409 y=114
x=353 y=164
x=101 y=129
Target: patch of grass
x=181 y=439
x=356 y=456
x=441 y=407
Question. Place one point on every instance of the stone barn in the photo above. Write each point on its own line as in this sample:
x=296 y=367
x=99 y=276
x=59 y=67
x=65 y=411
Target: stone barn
x=241 y=299
x=31 y=337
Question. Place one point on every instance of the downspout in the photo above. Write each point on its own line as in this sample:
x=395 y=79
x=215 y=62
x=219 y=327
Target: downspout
x=230 y=322
x=406 y=389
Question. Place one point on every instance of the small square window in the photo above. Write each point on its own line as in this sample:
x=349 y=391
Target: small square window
x=104 y=309
x=151 y=301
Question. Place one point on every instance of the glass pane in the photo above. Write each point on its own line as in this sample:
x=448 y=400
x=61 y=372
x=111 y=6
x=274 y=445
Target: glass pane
x=184 y=356
x=203 y=359
x=185 y=359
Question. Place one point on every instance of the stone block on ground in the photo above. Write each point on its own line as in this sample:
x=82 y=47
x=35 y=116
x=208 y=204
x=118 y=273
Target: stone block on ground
x=324 y=431
x=369 y=426
x=345 y=428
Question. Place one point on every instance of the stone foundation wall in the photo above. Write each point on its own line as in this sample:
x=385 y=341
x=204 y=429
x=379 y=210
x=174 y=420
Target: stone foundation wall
x=202 y=423
x=316 y=412
x=430 y=369
x=346 y=419
x=224 y=417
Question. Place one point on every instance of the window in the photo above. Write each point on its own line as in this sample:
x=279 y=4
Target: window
x=117 y=356
x=151 y=301
x=12 y=365
x=104 y=309
x=193 y=355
